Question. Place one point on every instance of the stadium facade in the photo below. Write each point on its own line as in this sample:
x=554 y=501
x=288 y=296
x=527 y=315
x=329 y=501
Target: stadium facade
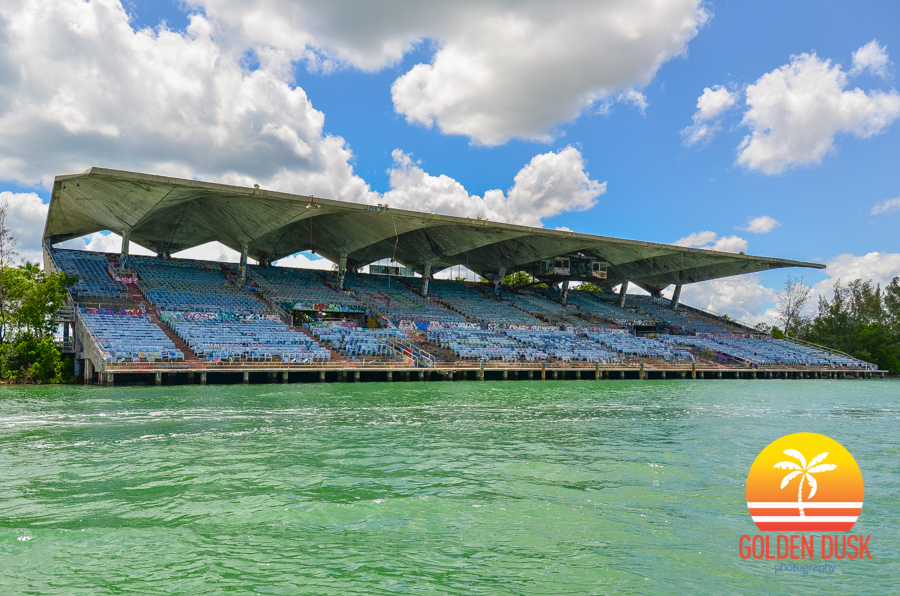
x=163 y=319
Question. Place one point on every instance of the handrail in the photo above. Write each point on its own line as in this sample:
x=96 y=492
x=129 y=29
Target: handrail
x=827 y=349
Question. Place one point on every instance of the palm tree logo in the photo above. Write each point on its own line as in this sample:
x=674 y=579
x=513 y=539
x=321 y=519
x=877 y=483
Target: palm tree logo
x=804 y=471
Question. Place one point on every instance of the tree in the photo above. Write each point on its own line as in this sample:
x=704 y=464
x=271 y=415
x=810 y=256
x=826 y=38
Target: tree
x=32 y=297
x=791 y=302
x=588 y=287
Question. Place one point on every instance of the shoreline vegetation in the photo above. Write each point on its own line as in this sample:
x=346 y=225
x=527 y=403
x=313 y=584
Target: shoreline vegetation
x=861 y=319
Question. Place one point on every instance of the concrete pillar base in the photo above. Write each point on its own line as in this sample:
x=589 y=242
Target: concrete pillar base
x=284 y=377
x=203 y=378
x=158 y=378
x=246 y=377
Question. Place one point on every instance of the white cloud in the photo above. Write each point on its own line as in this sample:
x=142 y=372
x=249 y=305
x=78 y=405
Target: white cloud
x=742 y=298
x=550 y=184
x=888 y=206
x=710 y=106
x=158 y=101
x=762 y=225
x=712 y=241
x=104 y=242
x=796 y=110
x=871 y=57
x=304 y=260
x=25 y=216
x=501 y=70
x=881 y=268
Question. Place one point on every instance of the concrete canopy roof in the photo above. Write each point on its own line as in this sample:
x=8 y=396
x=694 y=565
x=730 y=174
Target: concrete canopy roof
x=161 y=213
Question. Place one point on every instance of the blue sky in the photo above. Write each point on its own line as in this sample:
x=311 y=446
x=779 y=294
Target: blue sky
x=657 y=187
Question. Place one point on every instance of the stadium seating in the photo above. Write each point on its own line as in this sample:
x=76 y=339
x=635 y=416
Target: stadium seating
x=300 y=288
x=129 y=337
x=546 y=309
x=392 y=299
x=645 y=347
x=765 y=351
x=221 y=337
x=660 y=308
x=482 y=344
x=94 y=283
x=471 y=302
x=600 y=305
x=355 y=341
x=564 y=345
x=187 y=285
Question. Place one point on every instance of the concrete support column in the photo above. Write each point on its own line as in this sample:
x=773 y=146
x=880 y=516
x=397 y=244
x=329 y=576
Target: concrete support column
x=421 y=375
x=246 y=377
x=342 y=271
x=203 y=377
x=676 y=296
x=243 y=267
x=621 y=374
x=126 y=240
x=505 y=375
x=390 y=376
x=270 y=376
x=356 y=376
x=426 y=275
x=597 y=371
x=321 y=376
x=565 y=291
x=622 y=292
x=578 y=375
x=88 y=371
x=662 y=374
x=501 y=273
x=641 y=372
x=543 y=371
x=530 y=375
x=555 y=372
x=284 y=376
x=157 y=379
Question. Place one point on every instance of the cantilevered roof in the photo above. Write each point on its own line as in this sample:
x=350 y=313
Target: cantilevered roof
x=172 y=214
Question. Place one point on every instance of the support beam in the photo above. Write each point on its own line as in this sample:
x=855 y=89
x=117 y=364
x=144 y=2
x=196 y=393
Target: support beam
x=88 y=371
x=246 y=377
x=622 y=292
x=157 y=380
x=203 y=377
x=426 y=275
x=284 y=376
x=676 y=296
x=565 y=291
x=243 y=266
x=342 y=271
x=126 y=242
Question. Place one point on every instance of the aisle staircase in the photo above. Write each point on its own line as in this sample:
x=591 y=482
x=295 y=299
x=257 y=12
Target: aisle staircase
x=142 y=303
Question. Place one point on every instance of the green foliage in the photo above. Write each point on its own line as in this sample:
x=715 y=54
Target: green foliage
x=860 y=319
x=521 y=278
x=588 y=287
x=29 y=299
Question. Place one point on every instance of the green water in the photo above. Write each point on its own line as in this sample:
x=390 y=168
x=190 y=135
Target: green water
x=492 y=488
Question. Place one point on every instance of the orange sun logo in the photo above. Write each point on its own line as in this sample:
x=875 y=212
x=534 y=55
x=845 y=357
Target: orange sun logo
x=804 y=482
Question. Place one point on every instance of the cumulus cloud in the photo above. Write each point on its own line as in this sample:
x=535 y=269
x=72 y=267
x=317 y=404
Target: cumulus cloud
x=25 y=216
x=104 y=242
x=795 y=111
x=304 y=260
x=712 y=241
x=888 y=206
x=550 y=184
x=154 y=100
x=711 y=105
x=761 y=225
x=743 y=298
x=871 y=57
x=501 y=70
x=880 y=267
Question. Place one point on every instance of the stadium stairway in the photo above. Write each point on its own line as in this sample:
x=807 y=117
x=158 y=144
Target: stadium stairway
x=142 y=303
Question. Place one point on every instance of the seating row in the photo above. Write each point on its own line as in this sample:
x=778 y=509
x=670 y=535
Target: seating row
x=94 y=283
x=250 y=339
x=123 y=338
x=393 y=299
x=469 y=300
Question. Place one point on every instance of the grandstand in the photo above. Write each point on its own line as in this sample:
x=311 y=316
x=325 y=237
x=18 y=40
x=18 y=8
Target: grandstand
x=138 y=316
